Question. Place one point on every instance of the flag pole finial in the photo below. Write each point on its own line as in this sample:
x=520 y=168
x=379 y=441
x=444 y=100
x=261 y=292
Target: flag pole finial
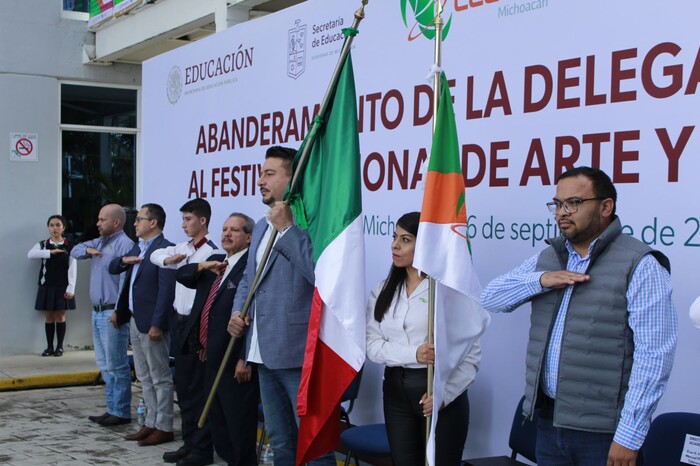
x=344 y=51
x=360 y=13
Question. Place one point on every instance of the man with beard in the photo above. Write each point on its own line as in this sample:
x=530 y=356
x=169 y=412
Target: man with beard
x=603 y=329
x=110 y=342
x=279 y=314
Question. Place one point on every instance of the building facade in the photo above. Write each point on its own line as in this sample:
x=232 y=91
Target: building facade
x=69 y=122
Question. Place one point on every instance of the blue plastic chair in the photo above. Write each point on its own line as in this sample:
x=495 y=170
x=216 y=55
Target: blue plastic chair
x=522 y=441
x=370 y=440
x=666 y=437
x=349 y=395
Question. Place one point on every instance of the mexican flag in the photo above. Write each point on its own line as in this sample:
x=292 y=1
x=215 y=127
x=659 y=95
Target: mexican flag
x=329 y=205
x=443 y=253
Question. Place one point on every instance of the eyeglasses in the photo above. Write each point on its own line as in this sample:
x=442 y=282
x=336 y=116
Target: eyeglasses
x=570 y=206
x=138 y=219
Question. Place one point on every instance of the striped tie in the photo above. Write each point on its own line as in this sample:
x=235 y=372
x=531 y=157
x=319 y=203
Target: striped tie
x=204 y=323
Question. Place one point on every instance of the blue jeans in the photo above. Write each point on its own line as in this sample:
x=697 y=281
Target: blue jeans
x=278 y=390
x=557 y=446
x=111 y=358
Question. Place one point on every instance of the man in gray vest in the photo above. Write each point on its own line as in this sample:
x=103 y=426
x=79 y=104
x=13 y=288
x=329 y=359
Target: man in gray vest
x=603 y=329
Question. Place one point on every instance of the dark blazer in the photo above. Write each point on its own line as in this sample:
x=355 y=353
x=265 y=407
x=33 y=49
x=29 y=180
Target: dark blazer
x=283 y=300
x=220 y=313
x=154 y=289
x=233 y=419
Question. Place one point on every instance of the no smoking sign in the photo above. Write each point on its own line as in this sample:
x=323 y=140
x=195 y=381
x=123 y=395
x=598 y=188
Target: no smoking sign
x=24 y=147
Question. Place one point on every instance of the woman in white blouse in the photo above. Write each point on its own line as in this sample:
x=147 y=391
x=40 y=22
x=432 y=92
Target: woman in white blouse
x=397 y=335
x=57 y=276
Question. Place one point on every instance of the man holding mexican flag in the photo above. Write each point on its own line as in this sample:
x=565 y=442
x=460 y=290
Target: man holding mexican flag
x=279 y=313
x=308 y=307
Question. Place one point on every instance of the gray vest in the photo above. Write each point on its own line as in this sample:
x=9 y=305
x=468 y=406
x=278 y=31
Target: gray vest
x=597 y=345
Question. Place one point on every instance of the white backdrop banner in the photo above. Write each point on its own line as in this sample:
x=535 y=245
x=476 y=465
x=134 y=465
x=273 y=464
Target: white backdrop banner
x=539 y=87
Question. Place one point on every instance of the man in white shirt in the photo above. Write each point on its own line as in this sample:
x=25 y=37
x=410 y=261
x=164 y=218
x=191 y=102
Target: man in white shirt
x=196 y=214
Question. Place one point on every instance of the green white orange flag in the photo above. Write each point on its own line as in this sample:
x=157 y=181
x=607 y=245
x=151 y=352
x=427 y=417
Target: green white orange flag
x=329 y=205
x=443 y=253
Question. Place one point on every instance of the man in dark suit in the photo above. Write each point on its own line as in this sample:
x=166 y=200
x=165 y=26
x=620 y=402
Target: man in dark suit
x=279 y=315
x=233 y=418
x=147 y=296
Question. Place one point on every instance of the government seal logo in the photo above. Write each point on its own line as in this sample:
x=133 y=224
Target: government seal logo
x=174 y=84
x=296 y=50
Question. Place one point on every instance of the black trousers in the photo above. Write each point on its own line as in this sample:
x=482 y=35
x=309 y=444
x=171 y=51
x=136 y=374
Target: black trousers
x=234 y=412
x=191 y=395
x=406 y=425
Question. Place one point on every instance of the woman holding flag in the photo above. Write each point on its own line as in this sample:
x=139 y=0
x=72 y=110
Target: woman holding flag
x=397 y=335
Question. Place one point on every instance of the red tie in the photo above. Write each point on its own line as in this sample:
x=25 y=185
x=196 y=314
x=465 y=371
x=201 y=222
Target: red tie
x=204 y=324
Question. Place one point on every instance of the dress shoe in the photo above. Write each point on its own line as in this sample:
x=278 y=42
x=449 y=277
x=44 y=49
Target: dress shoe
x=195 y=459
x=58 y=353
x=156 y=438
x=140 y=434
x=112 y=420
x=175 y=456
x=47 y=352
x=98 y=418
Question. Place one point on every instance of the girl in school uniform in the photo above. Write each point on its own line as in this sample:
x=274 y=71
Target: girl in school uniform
x=57 y=276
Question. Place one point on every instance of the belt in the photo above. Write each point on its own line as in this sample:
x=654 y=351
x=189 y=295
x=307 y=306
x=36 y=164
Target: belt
x=103 y=307
x=181 y=317
x=404 y=371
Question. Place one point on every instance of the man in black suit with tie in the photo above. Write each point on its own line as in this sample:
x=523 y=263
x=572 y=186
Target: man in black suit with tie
x=233 y=416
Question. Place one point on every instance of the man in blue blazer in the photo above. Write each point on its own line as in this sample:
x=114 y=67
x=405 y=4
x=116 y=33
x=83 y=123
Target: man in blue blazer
x=147 y=296
x=278 y=317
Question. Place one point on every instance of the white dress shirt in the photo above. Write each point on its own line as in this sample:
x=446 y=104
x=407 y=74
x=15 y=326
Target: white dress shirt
x=184 y=297
x=232 y=261
x=395 y=340
x=254 y=353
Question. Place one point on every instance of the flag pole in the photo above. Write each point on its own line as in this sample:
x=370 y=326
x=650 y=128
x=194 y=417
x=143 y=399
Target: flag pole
x=439 y=5
x=359 y=16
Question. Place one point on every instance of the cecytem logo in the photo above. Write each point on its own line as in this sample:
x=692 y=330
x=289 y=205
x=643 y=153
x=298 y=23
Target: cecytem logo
x=424 y=13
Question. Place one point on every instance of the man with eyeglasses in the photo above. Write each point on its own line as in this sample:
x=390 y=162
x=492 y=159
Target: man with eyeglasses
x=603 y=329
x=146 y=299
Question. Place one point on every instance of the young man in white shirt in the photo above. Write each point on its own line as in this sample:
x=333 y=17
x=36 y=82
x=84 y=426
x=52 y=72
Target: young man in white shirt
x=196 y=214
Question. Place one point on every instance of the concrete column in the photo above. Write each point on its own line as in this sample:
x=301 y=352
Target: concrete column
x=226 y=16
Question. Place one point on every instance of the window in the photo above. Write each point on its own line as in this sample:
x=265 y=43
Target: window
x=76 y=5
x=98 y=149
